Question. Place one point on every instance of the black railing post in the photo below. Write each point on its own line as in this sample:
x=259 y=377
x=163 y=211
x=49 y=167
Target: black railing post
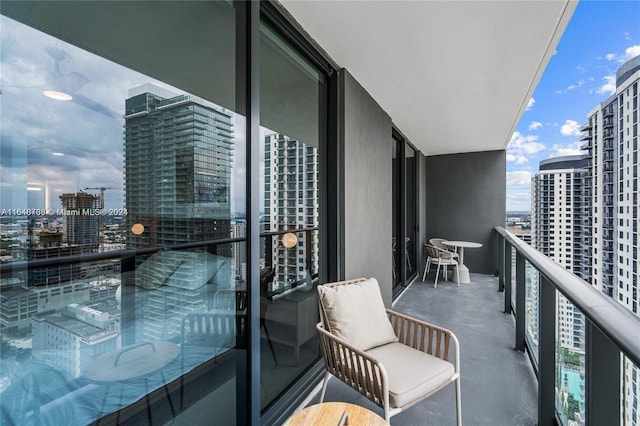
x=501 y=243
x=521 y=296
x=507 y=277
x=602 y=381
x=546 y=353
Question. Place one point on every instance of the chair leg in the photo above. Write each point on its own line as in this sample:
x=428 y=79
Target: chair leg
x=458 y=274
x=327 y=376
x=458 y=404
x=435 y=284
x=426 y=269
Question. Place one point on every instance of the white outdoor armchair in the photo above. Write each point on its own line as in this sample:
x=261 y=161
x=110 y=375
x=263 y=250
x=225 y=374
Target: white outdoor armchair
x=394 y=360
x=440 y=257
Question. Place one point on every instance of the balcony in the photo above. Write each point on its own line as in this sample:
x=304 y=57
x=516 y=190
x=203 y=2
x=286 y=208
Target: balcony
x=474 y=312
x=482 y=319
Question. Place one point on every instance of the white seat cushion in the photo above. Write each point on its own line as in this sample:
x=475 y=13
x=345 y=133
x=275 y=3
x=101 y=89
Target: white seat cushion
x=355 y=312
x=411 y=373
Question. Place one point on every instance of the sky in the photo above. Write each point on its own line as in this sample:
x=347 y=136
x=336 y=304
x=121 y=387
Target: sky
x=55 y=147
x=600 y=37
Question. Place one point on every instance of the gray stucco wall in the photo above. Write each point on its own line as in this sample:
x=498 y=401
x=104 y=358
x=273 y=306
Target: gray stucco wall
x=465 y=199
x=367 y=186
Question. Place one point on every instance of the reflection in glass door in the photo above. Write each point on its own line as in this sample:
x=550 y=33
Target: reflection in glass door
x=292 y=94
x=395 y=182
x=404 y=208
x=130 y=181
x=410 y=221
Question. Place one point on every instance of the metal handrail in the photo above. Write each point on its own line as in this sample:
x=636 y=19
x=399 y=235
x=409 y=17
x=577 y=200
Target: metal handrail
x=12 y=267
x=612 y=319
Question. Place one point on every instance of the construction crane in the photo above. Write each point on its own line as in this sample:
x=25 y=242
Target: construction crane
x=101 y=217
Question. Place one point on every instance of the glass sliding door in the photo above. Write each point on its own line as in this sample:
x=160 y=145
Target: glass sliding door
x=410 y=223
x=396 y=210
x=404 y=196
x=123 y=199
x=292 y=119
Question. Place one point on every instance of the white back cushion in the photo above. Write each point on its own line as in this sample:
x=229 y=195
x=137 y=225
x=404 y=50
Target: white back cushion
x=356 y=313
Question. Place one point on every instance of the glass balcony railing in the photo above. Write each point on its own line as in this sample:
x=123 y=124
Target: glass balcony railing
x=583 y=345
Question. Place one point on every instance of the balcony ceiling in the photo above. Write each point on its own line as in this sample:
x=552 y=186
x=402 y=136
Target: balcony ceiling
x=455 y=76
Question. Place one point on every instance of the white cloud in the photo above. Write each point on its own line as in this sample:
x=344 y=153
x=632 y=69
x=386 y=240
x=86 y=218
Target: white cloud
x=609 y=86
x=570 y=128
x=520 y=177
x=519 y=159
x=629 y=53
x=524 y=144
x=530 y=104
x=521 y=146
x=562 y=150
x=577 y=85
x=535 y=125
x=518 y=190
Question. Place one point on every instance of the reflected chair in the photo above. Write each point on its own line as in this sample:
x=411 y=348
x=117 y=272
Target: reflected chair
x=440 y=257
x=394 y=360
x=210 y=333
x=266 y=277
x=406 y=254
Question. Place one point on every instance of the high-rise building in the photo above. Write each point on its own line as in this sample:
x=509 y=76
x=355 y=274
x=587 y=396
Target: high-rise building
x=557 y=194
x=611 y=135
x=82 y=220
x=557 y=191
x=178 y=158
x=291 y=202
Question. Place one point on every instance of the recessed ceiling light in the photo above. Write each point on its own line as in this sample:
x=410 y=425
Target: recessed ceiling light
x=59 y=96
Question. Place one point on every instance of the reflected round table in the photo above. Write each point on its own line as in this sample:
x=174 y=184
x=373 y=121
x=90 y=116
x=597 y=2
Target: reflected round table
x=463 y=271
x=331 y=413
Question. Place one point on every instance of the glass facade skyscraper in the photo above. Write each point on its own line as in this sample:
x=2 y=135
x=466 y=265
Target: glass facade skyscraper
x=178 y=155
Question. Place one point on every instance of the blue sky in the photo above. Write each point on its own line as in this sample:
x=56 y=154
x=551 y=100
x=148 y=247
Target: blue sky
x=601 y=36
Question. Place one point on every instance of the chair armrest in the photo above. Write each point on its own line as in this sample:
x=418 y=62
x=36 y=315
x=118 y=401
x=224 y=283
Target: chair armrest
x=356 y=368
x=425 y=337
x=446 y=254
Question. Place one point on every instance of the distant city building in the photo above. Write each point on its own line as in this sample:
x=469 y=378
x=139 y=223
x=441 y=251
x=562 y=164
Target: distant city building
x=178 y=156
x=49 y=245
x=291 y=201
x=239 y=254
x=611 y=146
x=82 y=220
x=18 y=304
x=73 y=338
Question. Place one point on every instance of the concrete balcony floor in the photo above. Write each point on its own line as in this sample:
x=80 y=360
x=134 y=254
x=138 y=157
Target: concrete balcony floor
x=498 y=383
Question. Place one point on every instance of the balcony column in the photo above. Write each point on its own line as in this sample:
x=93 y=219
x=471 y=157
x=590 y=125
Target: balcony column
x=501 y=269
x=521 y=295
x=602 y=381
x=507 y=277
x=546 y=353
